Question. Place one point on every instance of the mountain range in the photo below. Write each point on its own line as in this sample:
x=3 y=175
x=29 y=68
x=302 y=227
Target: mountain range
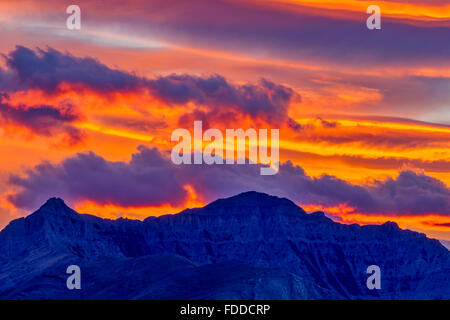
x=250 y=246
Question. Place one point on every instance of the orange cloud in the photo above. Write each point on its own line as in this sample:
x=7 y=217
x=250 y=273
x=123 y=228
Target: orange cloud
x=111 y=211
x=436 y=226
x=421 y=11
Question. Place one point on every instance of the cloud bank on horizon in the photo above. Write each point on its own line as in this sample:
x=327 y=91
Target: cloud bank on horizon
x=151 y=179
x=364 y=116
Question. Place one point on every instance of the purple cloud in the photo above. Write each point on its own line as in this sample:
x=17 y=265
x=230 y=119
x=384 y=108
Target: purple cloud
x=43 y=120
x=412 y=192
x=287 y=31
x=264 y=99
x=150 y=178
x=48 y=69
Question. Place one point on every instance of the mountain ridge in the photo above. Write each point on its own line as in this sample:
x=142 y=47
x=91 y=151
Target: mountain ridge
x=261 y=232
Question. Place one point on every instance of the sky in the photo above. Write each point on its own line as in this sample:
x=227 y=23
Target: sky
x=363 y=115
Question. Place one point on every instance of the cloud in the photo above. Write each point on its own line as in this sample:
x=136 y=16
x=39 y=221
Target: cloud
x=327 y=124
x=377 y=163
x=264 y=99
x=423 y=2
x=446 y=225
x=48 y=69
x=286 y=31
x=150 y=178
x=44 y=120
x=374 y=136
x=412 y=192
x=121 y=121
x=407 y=93
x=282 y=30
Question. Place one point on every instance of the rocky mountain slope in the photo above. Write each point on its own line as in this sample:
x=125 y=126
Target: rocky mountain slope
x=250 y=246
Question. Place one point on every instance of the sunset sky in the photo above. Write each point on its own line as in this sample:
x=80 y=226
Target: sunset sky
x=364 y=115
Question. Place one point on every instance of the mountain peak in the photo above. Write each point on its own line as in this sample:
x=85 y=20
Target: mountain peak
x=247 y=203
x=251 y=198
x=391 y=225
x=55 y=206
x=54 y=201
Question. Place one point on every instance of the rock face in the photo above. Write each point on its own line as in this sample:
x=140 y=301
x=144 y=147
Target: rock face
x=251 y=246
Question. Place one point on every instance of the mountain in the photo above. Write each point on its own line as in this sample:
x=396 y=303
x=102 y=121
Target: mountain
x=446 y=244
x=250 y=246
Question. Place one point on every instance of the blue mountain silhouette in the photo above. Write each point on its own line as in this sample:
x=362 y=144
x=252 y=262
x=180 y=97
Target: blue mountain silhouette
x=250 y=246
